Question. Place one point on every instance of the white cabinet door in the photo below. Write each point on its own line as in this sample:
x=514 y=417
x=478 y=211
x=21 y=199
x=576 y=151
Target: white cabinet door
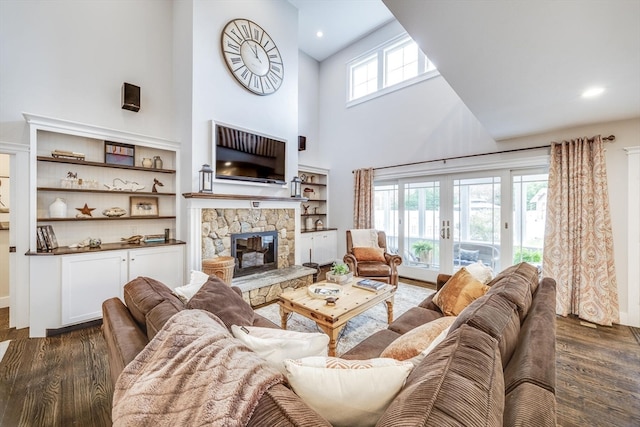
x=325 y=247
x=164 y=264
x=88 y=280
x=306 y=247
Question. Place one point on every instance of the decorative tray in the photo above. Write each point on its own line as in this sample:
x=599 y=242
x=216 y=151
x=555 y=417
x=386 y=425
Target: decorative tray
x=324 y=290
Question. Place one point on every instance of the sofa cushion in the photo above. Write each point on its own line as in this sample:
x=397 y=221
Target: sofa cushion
x=412 y=318
x=458 y=293
x=496 y=316
x=218 y=298
x=535 y=362
x=279 y=406
x=517 y=286
x=371 y=346
x=469 y=255
x=276 y=345
x=416 y=340
x=369 y=254
x=348 y=393
x=142 y=294
x=158 y=316
x=530 y=405
x=372 y=269
x=446 y=389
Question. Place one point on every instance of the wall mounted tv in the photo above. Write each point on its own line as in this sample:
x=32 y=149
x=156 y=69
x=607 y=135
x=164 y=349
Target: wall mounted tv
x=246 y=156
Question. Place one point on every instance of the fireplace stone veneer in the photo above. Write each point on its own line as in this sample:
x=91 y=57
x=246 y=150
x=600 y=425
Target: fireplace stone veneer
x=219 y=224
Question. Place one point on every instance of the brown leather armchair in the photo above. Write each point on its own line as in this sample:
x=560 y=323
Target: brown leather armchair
x=386 y=271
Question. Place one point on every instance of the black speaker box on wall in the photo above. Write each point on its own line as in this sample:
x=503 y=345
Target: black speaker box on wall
x=302 y=143
x=130 y=97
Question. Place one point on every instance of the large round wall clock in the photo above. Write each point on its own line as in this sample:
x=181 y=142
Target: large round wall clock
x=252 y=56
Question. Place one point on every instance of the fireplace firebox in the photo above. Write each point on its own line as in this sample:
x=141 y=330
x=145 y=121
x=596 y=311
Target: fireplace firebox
x=254 y=252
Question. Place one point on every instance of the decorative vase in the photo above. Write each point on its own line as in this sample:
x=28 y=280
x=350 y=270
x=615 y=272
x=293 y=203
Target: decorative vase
x=58 y=209
x=308 y=223
x=147 y=162
x=157 y=162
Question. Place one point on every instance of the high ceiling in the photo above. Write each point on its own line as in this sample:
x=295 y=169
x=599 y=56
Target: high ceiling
x=520 y=67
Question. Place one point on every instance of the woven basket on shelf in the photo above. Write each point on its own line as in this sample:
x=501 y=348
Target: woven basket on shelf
x=221 y=266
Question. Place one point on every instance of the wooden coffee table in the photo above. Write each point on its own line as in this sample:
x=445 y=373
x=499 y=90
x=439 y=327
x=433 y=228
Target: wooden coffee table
x=332 y=318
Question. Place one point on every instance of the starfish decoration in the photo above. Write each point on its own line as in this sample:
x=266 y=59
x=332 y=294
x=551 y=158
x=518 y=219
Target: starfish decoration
x=86 y=210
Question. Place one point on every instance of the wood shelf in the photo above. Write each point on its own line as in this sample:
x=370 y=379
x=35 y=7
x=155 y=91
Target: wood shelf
x=314 y=214
x=106 y=218
x=241 y=197
x=317 y=184
x=66 y=250
x=103 y=165
x=87 y=190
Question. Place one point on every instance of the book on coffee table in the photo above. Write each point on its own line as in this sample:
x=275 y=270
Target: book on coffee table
x=369 y=285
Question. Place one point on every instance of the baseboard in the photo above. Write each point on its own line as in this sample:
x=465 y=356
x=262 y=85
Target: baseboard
x=629 y=320
x=5 y=301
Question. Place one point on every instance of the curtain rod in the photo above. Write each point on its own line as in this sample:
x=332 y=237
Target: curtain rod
x=610 y=138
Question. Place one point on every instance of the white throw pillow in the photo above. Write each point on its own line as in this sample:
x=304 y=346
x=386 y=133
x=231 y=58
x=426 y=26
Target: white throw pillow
x=349 y=393
x=276 y=345
x=482 y=273
x=186 y=292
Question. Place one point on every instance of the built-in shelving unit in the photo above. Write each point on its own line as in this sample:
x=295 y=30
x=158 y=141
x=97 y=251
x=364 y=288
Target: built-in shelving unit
x=68 y=284
x=318 y=243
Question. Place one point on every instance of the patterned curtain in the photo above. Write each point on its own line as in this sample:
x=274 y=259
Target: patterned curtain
x=578 y=242
x=363 y=198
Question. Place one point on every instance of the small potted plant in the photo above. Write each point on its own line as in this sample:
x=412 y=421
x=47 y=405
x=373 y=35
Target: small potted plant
x=423 y=249
x=339 y=273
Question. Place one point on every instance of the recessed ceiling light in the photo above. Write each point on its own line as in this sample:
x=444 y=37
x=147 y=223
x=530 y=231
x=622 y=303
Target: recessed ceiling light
x=319 y=34
x=592 y=91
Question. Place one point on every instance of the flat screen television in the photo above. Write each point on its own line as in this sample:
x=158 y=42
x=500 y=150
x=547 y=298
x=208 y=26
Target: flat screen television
x=246 y=156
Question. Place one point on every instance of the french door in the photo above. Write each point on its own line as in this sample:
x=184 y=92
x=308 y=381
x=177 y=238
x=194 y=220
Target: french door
x=441 y=223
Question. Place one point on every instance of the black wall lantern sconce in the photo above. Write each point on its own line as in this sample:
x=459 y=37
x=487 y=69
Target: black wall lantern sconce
x=296 y=185
x=206 y=179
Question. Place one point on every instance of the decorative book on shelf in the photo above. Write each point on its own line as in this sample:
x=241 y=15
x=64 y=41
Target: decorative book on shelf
x=369 y=285
x=46 y=238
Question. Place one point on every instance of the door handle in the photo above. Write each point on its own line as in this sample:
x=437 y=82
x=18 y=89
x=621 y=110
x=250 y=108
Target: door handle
x=12 y=249
x=442 y=232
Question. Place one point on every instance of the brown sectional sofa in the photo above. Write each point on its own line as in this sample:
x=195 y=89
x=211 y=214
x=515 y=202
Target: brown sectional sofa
x=496 y=366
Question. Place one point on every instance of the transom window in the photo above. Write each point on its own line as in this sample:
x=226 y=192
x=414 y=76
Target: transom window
x=391 y=66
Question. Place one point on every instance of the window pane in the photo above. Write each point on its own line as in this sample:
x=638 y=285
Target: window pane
x=364 y=78
x=422 y=216
x=476 y=219
x=529 y=214
x=401 y=62
x=386 y=213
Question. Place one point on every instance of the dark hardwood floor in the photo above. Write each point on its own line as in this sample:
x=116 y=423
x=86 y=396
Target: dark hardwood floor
x=64 y=380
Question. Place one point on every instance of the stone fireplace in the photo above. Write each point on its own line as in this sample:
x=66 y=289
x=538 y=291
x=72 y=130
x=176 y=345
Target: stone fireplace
x=219 y=225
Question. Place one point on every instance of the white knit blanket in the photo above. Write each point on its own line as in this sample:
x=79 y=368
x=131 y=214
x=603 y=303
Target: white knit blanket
x=364 y=238
x=192 y=373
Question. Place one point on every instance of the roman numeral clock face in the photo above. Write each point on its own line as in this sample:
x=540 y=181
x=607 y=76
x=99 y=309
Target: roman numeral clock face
x=252 y=56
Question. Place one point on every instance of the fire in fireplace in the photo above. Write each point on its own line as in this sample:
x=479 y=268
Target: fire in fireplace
x=254 y=252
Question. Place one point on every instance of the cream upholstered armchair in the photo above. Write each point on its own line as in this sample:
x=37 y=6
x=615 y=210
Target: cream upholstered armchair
x=367 y=256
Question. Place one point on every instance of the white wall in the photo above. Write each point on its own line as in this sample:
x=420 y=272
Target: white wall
x=429 y=121
x=217 y=96
x=68 y=59
x=424 y=121
x=308 y=74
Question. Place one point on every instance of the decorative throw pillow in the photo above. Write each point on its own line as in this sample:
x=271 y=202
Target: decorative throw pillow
x=186 y=292
x=414 y=342
x=459 y=291
x=369 y=254
x=466 y=255
x=276 y=345
x=350 y=393
x=218 y=298
x=482 y=272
